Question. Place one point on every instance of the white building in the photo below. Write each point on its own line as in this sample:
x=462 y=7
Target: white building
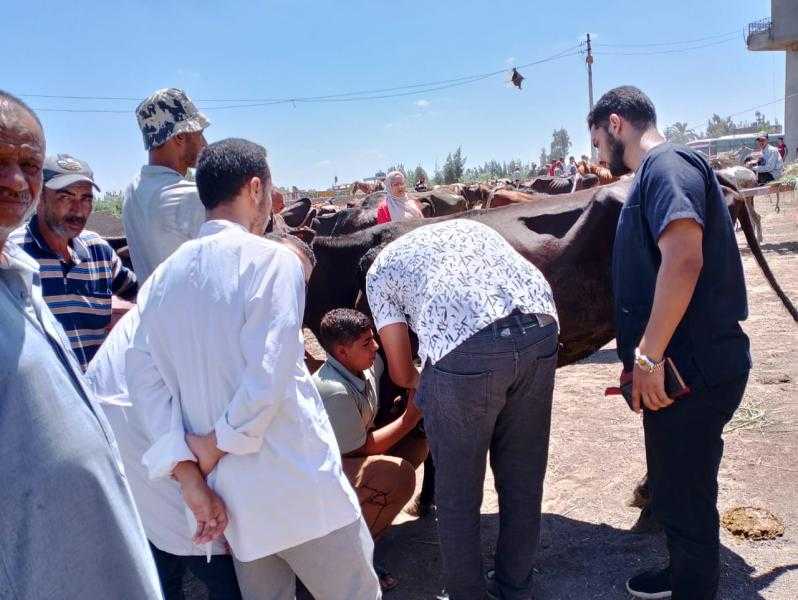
x=780 y=32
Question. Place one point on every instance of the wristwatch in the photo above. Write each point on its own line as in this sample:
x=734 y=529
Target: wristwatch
x=645 y=363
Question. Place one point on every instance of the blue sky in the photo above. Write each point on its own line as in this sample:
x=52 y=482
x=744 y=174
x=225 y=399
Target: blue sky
x=248 y=49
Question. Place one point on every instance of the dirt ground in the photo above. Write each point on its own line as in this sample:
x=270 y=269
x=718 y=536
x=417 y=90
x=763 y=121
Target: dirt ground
x=596 y=455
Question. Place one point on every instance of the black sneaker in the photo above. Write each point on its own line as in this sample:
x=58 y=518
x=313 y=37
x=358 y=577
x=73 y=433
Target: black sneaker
x=651 y=584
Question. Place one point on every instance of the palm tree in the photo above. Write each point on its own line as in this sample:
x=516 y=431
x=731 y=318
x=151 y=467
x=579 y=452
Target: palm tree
x=679 y=133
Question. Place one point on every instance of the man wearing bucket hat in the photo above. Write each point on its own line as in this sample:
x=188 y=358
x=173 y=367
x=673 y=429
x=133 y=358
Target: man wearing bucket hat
x=162 y=208
x=79 y=270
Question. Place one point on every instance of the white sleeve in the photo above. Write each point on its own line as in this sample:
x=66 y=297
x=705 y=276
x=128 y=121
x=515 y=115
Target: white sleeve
x=160 y=410
x=271 y=344
x=381 y=295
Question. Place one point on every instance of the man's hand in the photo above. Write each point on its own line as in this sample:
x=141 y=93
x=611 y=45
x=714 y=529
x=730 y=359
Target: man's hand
x=204 y=448
x=650 y=389
x=412 y=413
x=206 y=506
x=208 y=509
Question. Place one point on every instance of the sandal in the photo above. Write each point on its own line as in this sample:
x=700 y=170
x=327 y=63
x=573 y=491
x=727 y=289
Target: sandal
x=387 y=581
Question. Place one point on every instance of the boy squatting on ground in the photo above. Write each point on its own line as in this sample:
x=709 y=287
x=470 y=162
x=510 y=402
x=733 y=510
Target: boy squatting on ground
x=380 y=463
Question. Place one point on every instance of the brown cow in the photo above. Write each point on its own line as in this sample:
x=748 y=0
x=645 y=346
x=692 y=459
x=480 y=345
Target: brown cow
x=603 y=173
x=366 y=187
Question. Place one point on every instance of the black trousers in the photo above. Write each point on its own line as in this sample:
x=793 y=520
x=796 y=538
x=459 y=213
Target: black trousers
x=763 y=178
x=218 y=576
x=683 y=450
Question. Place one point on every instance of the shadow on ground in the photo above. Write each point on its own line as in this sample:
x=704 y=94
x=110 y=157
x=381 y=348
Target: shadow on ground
x=576 y=560
x=605 y=356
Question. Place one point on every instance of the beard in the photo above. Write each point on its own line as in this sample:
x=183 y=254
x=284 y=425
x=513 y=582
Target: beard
x=616 y=165
x=59 y=226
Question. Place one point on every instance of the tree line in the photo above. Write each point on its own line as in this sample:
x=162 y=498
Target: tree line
x=453 y=169
x=717 y=126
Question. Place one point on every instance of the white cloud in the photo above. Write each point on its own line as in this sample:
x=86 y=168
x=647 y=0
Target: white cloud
x=510 y=60
x=422 y=103
x=324 y=163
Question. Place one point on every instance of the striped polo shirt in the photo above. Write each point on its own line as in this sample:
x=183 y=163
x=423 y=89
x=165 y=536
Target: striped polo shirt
x=79 y=291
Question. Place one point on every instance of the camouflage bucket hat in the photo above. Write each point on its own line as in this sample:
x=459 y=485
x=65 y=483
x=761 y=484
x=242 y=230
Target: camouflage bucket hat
x=166 y=113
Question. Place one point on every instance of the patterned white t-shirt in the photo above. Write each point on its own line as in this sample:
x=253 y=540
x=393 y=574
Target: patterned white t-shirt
x=449 y=280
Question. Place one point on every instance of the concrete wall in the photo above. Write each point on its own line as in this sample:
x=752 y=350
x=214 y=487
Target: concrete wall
x=784 y=14
x=791 y=104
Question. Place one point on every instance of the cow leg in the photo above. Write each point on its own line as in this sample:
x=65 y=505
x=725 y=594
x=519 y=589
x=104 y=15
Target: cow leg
x=425 y=501
x=641 y=498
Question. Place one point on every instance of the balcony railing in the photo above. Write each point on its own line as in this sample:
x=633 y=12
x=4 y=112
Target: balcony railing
x=761 y=26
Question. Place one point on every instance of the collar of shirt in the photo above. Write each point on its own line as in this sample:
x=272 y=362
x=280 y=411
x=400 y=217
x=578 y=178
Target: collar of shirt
x=78 y=251
x=359 y=383
x=216 y=225
x=154 y=170
x=16 y=259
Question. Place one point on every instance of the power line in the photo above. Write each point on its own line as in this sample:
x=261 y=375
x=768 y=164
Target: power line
x=671 y=51
x=375 y=94
x=747 y=110
x=703 y=39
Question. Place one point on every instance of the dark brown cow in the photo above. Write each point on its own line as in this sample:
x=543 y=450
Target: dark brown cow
x=569 y=238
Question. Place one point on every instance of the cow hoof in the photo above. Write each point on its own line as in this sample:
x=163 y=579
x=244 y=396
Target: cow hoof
x=420 y=509
x=646 y=523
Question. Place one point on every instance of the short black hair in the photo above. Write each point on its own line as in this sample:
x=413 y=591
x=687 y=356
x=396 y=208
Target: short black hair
x=10 y=98
x=625 y=101
x=225 y=166
x=299 y=244
x=342 y=326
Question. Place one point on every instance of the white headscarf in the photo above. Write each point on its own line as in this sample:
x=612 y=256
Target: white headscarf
x=401 y=208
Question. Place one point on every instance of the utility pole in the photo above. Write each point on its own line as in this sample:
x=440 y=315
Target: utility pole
x=589 y=61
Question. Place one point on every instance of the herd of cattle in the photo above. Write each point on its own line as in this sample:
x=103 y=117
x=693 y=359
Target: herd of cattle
x=564 y=225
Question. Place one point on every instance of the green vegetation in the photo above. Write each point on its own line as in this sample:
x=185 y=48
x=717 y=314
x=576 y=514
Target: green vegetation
x=110 y=203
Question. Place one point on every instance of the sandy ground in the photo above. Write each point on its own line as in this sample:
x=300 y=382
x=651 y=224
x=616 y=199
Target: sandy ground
x=596 y=456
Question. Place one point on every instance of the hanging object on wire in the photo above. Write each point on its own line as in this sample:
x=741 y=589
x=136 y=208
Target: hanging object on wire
x=516 y=78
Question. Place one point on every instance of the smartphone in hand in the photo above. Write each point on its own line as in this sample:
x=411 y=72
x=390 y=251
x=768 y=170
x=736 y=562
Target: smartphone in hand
x=675 y=387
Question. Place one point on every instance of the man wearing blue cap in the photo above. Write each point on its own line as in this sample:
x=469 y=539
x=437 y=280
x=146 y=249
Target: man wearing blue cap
x=79 y=270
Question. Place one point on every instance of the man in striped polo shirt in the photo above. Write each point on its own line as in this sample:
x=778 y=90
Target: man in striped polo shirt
x=79 y=270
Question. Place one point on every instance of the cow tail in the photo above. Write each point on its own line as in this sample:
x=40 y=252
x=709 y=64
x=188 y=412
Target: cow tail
x=744 y=217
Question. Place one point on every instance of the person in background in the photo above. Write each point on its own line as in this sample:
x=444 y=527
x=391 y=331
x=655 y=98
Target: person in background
x=79 y=270
x=770 y=166
x=380 y=463
x=224 y=386
x=161 y=208
x=473 y=301
x=782 y=148
x=69 y=528
x=558 y=168
x=680 y=295
x=397 y=206
x=571 y=166
x=161 y=503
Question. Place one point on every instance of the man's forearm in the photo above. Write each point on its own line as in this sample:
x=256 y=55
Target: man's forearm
x=384 y=438
x=187 y=473
x=676 y=282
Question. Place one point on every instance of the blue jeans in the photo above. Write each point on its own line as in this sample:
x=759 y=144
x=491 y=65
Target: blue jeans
x=491 y=393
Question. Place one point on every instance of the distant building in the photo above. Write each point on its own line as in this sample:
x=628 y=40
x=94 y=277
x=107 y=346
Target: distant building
x=780 y=32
